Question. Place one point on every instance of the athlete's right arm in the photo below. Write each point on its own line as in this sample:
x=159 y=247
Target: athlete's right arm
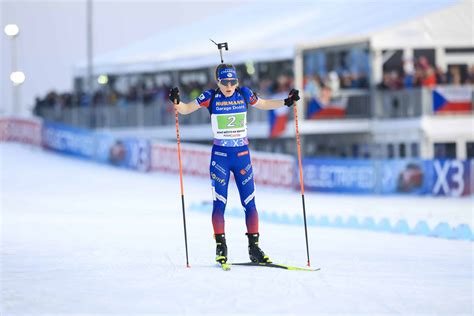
x=187 y=108
x=181 y=107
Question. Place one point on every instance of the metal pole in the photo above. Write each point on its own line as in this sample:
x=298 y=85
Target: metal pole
x=90 y=48
x=14 y=66
x=300 y=167
x=178 y=140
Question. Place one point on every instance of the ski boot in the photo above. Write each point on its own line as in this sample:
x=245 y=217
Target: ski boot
x=221 y=248
x=255 y=253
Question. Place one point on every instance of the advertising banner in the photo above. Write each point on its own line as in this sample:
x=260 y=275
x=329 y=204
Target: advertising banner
x=337 y=175
x=405 y=176
x=20 y=130
x=274 y=169
x=269 y=169
x=129 y=153
x=69 y=140
x=195 y=159
x=451 y=178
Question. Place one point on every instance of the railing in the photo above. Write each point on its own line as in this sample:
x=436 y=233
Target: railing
x=403 y=103
x=361 y=104
x=110 y=116
x=358 y=103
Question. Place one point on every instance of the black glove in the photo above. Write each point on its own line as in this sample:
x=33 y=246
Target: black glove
x=292 y=97
x=174 y=95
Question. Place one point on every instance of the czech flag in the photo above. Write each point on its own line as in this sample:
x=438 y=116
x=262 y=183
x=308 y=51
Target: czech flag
x=334 y=108
x=278 y=119
x=452 y=99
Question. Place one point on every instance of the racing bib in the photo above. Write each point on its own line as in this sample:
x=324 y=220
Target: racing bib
x=230 y=125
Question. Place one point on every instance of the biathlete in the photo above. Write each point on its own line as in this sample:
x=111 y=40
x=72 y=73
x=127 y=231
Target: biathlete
x=228 y=105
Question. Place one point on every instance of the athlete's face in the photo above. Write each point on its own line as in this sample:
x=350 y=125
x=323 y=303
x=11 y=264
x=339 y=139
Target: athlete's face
x=227 y=86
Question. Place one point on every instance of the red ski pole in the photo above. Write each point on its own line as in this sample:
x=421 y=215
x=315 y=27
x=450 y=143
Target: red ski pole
x=181 y=183
x=298 y=143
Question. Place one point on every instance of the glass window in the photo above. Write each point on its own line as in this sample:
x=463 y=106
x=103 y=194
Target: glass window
x=428 y=53
x=390 y=151
x=445 y=150
x=402 y=150
x=394 y=61
x=378 y=151
x=415 y=151
x=350 y=62
x=470 y=150
x=460 y=50
x=355 y=150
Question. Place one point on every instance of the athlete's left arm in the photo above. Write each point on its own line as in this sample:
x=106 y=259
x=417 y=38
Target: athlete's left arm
x=263 y=104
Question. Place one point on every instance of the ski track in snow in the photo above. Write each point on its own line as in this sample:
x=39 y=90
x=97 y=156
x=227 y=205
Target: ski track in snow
x=83 y=238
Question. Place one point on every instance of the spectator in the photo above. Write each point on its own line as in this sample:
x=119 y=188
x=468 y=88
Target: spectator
x=441 y=77
x=454 y=75
x=391 y=81
x=470 y=75
x=333 y=82
x=428 y=74
x=409 y=69
x=312 y=86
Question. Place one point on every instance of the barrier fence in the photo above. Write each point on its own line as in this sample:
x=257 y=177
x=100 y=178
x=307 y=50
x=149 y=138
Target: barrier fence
x=453 y=178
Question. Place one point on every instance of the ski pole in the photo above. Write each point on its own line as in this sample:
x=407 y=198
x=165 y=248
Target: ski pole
x=298 y=143
x=181 y=183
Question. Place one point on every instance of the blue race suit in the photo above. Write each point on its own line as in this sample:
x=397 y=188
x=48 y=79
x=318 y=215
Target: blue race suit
x=230 y=153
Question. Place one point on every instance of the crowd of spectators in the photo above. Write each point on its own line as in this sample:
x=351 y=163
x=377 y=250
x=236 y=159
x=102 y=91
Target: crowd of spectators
x=147 y=94
x=415 y=74
x=105 y=96
x=422 y=74
x=335 y=82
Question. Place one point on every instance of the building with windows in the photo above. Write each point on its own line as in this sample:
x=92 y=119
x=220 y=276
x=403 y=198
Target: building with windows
x=397 y=84
x=418 y=78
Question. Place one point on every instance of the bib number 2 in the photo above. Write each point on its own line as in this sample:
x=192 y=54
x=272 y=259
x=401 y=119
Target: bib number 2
x=231 y=121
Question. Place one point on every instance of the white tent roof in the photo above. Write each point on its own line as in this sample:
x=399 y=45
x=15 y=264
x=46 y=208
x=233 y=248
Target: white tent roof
x=262 y=31
x=451 y=27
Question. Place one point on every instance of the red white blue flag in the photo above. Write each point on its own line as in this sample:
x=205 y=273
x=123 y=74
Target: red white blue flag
x=278 y=121
x=326 y=106
x=278 y=118
x=452 y=99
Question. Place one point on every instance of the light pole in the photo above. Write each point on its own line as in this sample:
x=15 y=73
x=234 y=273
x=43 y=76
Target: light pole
x=90 y=47
x=17 y=77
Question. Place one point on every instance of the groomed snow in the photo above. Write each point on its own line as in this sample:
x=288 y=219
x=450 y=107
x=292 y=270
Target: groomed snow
x=82 y=238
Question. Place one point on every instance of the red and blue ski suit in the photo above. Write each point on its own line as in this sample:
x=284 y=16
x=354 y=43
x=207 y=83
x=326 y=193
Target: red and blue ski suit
x=230 y=153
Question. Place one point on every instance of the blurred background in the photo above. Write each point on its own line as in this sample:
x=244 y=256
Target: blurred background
x=387 y=136
x=395 y=84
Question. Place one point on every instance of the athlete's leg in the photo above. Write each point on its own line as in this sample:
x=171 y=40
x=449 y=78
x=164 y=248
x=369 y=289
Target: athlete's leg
x=219 y=173
x=244 y=178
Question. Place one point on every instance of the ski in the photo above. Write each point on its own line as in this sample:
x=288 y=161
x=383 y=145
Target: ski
x=224 y=266
x=272 y=265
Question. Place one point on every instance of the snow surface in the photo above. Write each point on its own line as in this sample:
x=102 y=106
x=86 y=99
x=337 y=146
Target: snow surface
x=83 y=238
